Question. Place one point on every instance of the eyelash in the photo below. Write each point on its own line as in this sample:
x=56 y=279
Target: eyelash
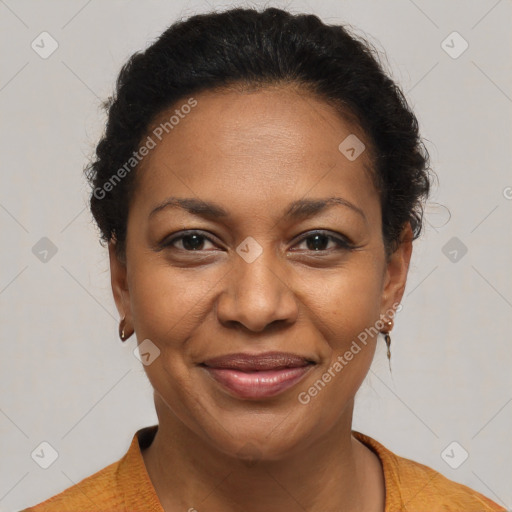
x=342 y=243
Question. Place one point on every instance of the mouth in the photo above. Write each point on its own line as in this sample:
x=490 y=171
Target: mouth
x=256 y=376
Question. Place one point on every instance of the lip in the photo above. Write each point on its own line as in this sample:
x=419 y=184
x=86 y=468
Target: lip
x=252 y=362
x=256 y=376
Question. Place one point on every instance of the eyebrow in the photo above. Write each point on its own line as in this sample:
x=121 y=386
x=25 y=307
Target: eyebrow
x=297 y=210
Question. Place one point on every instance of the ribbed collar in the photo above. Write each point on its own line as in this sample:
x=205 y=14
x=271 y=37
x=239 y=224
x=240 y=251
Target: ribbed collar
x=389 y=461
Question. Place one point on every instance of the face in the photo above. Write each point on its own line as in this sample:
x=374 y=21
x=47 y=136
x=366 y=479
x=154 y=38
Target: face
x=256 y=260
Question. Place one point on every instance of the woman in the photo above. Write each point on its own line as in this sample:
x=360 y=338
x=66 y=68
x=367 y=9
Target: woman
x=235 y=144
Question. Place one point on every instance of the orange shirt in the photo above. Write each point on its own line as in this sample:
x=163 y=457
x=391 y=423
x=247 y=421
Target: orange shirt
x=125 y=486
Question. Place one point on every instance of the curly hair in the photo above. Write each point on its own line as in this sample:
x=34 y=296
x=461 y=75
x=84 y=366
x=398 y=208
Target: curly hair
x=255 y=49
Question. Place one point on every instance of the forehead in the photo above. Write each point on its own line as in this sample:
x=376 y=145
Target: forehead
x=272 y=142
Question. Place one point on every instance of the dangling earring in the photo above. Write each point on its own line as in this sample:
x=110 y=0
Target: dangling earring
x=122 y=333
x=387 y=339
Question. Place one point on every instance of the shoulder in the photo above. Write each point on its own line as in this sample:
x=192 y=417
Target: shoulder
x=122 y=484
x=426 y=486
x=411 y=485
x=90 y=493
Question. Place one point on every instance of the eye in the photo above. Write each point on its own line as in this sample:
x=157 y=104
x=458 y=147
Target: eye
x=190 y=241
x=318 y=240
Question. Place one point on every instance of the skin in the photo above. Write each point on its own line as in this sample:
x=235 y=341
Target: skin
x=254 y=153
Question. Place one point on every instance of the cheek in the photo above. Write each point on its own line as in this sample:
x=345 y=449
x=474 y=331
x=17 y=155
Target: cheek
x=345 y=307
x=345 y=302
x=166 y=303
x=333 y=386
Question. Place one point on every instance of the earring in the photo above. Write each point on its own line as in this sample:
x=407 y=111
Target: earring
x=122 y=334
x=387 y=338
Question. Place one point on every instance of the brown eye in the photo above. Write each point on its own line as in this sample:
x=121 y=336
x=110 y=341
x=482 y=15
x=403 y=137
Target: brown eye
x=190 y=241
x=319 y=241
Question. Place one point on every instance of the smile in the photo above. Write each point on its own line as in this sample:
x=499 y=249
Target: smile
x=260 y=383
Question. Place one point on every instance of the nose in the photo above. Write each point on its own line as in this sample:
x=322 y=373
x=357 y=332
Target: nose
x=257 y=294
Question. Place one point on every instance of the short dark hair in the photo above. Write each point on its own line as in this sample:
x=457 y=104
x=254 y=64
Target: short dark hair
x=255 y=49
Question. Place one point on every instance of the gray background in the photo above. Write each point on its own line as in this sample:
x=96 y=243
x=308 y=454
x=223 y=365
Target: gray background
x=66 y=378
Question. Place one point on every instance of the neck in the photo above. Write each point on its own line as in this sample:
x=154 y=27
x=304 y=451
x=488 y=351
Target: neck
x=336 y=472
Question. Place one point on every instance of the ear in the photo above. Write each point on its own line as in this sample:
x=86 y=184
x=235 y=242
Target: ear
x=396 y=271
x=119 y=283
